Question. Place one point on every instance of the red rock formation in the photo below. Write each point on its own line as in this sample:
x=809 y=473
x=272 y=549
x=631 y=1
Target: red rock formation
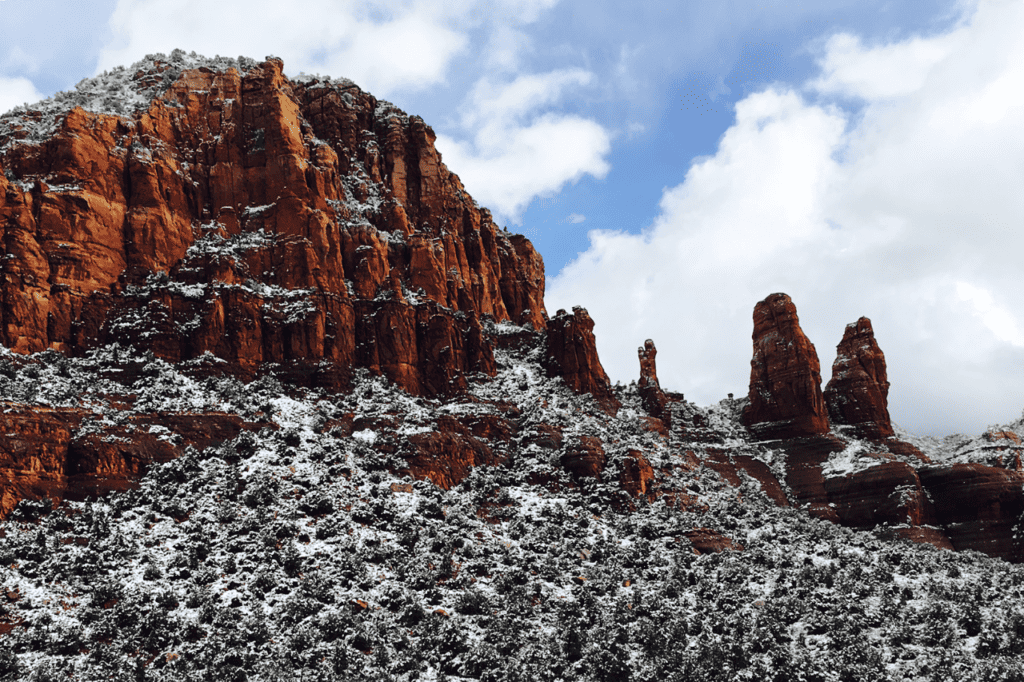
x=585 y=458
x=920 y=534
x=962 y=506
x=785 y=376
x=705 y=541
x=652 y=397
x=729 y=465
x=804 y=461
x=888 y=493
x=544 y=436
x=858 y=392
x=997 y=436
x=112 y=460
x=33 y=453
x=637 y=475
x=1008 y=448
x=261 y=220
x=979 y=506
x=572 y=355
x=43 y=452
x=448 y=454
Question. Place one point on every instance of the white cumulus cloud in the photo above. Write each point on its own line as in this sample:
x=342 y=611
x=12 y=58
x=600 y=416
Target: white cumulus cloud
x=383 y=46
x=908 y=211
x=518 y=148
x=17 y=91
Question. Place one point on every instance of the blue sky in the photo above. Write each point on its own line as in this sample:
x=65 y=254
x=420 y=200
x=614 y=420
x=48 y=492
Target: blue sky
x=675 y=162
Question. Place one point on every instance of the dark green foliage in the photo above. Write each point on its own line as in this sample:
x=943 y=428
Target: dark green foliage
x=307 y=554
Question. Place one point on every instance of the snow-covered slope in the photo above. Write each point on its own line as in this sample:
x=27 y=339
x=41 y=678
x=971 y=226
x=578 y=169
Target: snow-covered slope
x=300 y=551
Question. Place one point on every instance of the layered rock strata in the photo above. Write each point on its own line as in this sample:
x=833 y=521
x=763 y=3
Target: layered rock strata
x=979 y=507
x=71 y=453
x=785 y=399
x=858 y=393
x=262 y=220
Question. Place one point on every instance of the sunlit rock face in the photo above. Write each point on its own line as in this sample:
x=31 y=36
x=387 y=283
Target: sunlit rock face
x=785 y=375
x=216 y=213
x=195 y=206
x=858 y=393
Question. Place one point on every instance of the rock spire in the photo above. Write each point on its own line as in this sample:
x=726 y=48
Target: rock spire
x=858 y=392
x=785 y=375
x=652 y=397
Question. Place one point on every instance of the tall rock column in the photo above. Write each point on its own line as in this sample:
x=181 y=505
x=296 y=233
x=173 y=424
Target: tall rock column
x=785 y=375
x=858 y=392
x=652 y=397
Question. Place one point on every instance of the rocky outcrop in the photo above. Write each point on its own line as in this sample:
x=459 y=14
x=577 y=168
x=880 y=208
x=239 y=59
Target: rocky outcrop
x=572 y=355
x=731 y=465
x=980 y=507
x=890 y=493
x=585 y=457
x=637 y=475
x=68 y=453
x=785 y=399
x=446 y=455
x=805 y=458
x=34 y=453
x=653 y=399
x=260 y=219
x=858 y=393
x=707 y=541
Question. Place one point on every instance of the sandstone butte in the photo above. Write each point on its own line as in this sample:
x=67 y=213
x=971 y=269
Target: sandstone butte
x=261 y=220
x=219 y=212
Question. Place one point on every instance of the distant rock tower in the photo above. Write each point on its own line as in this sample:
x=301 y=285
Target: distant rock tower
x=652 y=397
x=785 y=375
x=572 y=355
x=858 y=393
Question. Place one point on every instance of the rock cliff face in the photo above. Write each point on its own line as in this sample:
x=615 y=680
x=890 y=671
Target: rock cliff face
x=69 y=453
x=217 y=213
x=858 y=393
x=258 y=219
x=785 y=375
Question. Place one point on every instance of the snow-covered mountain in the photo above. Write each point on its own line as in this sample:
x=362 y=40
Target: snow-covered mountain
x=280 y=401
